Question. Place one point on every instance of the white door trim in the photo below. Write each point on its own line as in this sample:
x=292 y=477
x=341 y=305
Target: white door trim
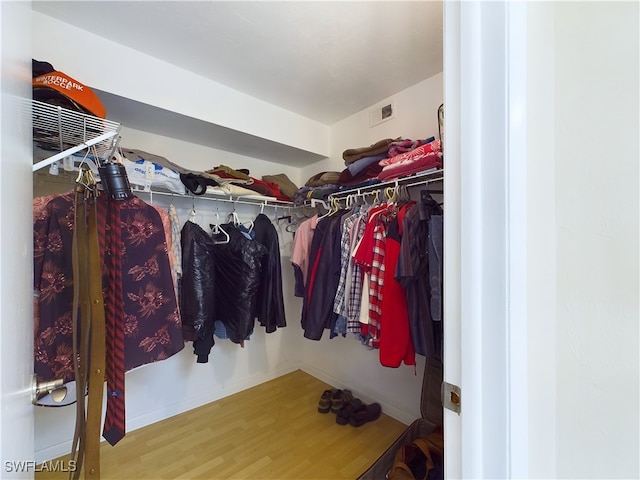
x=485 y=238
x=16 y=244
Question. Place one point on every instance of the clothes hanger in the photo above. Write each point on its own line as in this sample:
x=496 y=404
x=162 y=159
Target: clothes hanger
x=217 y=230
x=390 y=193
x=403 y=194
x=334 y=207
x=248 y=224
x=233 y=217
x=192 y=215
x=87 y=179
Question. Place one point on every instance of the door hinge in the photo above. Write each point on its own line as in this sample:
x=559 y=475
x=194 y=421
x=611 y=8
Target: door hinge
x=451 y=396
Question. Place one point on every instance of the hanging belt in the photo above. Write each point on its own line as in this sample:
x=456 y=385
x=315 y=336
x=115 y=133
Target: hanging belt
x=88 y=332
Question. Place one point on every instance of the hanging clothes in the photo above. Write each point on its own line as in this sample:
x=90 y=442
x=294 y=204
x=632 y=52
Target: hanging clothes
x=151 y=321
x=369 y=255
x=343 y=290
x=324 y=275
x=300 y=253
x=238 y=267
x=413 y=273
x=270 y=301
x=355 y=278
x=197 y=289
x=396 y=344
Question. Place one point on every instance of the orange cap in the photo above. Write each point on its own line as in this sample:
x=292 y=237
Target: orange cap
x=70 y=88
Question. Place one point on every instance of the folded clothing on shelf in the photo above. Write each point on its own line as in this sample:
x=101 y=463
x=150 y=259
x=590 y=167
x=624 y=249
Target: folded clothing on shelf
x=372 y=171
x=318 y=193
x=381 y=146
x=403 y=146
x=323 y=178
x=287 y=187
x=421 y=151
x=410 y=166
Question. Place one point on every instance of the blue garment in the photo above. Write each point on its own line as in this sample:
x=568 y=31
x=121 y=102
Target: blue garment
x=359 y=165
x=220 y=331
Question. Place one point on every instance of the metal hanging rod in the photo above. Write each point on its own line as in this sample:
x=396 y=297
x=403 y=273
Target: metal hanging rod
x=240 y=199
x=424 y=179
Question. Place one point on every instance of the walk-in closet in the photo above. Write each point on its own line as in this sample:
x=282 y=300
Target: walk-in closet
x=236 y=133
x=271 y=327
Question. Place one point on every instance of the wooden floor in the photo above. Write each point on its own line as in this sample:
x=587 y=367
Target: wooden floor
x=271 y=431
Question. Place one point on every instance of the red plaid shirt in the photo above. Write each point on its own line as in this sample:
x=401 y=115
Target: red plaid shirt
x=370 y=256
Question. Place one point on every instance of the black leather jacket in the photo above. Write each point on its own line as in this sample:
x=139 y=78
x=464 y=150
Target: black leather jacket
x=270 y=302
x=197 y=289
x=238 y=271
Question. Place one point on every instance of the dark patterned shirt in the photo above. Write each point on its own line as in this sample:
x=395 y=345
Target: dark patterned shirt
x=152 y=325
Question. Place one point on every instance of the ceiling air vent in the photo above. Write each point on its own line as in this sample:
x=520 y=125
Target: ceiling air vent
x=381 y=114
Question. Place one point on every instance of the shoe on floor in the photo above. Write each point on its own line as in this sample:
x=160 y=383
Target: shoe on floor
x=364 y=414
x=339 y=399
x=324 y=404
x=342 y=415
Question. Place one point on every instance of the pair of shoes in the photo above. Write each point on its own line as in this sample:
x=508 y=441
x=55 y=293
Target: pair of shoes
x=343 y=414
x=325 y=402
x=339 y=399
x=365 y=413
x=333 y=400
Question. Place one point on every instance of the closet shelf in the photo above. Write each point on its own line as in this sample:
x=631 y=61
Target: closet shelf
x=410 y=181
x=65 y=132
x=235 y=199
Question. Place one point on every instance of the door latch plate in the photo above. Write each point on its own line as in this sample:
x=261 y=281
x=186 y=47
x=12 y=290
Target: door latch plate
x=451 y=397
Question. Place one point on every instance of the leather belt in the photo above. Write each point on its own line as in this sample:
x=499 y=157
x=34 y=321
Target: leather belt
x=88 y=330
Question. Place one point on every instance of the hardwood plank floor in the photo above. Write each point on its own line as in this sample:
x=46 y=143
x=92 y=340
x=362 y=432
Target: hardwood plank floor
x=271 y=431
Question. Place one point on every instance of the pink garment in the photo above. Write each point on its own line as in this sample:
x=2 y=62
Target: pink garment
x=416 y=153
x=302 y=245
x=409 y=166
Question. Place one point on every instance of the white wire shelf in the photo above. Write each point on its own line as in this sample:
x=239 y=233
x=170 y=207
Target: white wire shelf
x=430 y=176
x=258 y=200
x=65 y=132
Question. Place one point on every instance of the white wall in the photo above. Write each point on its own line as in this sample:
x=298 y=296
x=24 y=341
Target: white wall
x=16 y=240
x=541 y=243
x=114 y=68
x=582 y=180
x=198 y=157
x=415 y=118
x=596 y=172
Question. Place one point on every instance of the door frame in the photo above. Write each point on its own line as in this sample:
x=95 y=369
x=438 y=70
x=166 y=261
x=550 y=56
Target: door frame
x=16 y=244
x=485 y=259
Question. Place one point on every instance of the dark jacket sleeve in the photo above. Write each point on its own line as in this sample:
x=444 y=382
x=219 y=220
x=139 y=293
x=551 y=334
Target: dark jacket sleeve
x=270 y=302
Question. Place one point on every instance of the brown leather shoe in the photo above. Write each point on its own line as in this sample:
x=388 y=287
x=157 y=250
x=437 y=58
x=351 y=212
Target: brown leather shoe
x=364 y=414
x=339 y=399
x=342 y=415
x=324 y=404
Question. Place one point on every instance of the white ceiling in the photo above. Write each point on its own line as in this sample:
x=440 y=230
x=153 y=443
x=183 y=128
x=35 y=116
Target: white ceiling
x=323 y=60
